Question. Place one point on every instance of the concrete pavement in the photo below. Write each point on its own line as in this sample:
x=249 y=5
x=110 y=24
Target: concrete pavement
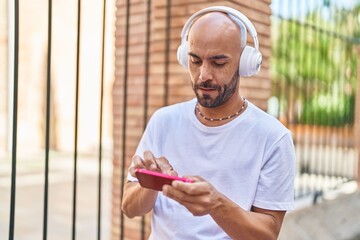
x=336 y=217
x=30 y=198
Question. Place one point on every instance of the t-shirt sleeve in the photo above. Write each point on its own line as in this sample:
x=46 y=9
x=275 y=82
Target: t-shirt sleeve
x=275 y=189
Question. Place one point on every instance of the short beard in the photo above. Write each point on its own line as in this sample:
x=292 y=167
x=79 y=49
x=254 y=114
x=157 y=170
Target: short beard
x=225 y=92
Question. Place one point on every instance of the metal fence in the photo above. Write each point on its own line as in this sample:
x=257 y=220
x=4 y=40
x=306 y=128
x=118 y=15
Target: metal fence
x=75 y=155
x=315 y=59
x=315 y=82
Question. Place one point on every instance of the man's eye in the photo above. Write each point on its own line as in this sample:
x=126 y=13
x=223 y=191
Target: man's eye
x=195 y=61
x=219 y=63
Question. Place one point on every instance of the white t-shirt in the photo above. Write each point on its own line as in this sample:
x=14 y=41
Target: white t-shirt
x=251 y=160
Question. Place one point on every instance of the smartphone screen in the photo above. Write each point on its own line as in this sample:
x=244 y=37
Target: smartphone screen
x=156 y=180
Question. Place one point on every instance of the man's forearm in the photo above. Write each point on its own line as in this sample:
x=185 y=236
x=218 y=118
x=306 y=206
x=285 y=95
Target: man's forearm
x=137 y=201
x=241 y=224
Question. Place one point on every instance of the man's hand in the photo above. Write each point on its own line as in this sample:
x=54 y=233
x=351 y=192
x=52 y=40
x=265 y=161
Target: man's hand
x=199 y=197
x=152 y=163
x=137 y=200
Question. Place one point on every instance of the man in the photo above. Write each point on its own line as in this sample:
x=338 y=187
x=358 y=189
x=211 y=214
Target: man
x=241 y=159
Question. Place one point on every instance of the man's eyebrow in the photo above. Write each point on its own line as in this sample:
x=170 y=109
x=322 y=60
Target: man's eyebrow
x=215 y=57
x=221 y=56
x=193 y=55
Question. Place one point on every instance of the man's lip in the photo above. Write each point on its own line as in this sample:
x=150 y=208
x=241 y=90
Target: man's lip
x=207 y=89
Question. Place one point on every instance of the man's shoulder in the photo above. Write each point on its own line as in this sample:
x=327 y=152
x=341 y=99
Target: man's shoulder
x=265 y=120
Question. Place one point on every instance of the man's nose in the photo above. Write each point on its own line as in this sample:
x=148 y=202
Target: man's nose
x=205 y=72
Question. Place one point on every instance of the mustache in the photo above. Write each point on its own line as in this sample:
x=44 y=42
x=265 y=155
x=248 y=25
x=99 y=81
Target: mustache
x=207 y=84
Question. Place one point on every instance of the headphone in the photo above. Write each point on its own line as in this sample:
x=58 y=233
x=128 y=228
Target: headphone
x=250 y=59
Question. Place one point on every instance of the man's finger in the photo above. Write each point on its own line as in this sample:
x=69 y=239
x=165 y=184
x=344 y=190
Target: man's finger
x=149 y=161
x=165 y=166
x=137 y=162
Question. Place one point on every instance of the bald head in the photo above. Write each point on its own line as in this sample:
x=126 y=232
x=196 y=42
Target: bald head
x=217 y=25
x=214 y=21
x=216 y=33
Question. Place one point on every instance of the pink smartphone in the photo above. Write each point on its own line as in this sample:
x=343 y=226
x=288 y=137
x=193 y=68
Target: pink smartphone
x=155 y=180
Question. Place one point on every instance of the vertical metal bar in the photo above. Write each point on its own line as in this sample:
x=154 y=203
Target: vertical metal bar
x=76 y=119
x=15 y=106
x=146 y=87
x=101 y=121
x=48 y=99
x=167 y=52
x=330 y=121
x=126 y=66
x=341 y=130
x=318 y=126
x=336 y=146
x=292 y=53
x=357 y=115
x=307 y=133
x=276 y=87
x=294 y=92
x=147 y=62
x=312 y=116
x=349 y=170
x=301 y=99
x=282 y=80
x=329 y=73
x=285 y=79
x=319 y=117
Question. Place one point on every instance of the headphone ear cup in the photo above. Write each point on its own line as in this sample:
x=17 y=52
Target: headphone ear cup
x=250 y=62
x=182 y=54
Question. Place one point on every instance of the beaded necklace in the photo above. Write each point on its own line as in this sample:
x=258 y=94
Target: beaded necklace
x=224 y=118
